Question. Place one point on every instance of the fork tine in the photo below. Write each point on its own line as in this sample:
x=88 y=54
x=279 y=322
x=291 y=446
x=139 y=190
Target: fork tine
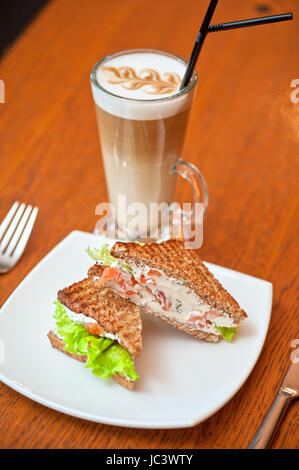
x=12 y=227
x=7 y=219
x=25 y=235
x=13 y=242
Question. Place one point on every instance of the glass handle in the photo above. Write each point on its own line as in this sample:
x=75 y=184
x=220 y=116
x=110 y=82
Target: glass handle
x=192 y=174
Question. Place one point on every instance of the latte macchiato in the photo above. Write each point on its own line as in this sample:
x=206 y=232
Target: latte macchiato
x=142 y=118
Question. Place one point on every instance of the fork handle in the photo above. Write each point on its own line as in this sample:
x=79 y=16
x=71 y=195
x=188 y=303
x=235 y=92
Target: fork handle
x=266 y=431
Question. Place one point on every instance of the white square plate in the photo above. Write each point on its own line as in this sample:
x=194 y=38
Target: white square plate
x=183 y=380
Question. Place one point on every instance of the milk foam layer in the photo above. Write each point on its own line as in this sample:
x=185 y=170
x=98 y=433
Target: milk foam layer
x=131 y=67
x=145 y=84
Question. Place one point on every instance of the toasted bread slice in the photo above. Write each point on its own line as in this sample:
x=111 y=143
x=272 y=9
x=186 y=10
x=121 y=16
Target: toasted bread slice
x=112 y=313
x=59 y=344
x=185 y=265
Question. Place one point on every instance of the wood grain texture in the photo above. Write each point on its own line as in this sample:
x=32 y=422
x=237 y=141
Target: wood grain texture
x=243 y=135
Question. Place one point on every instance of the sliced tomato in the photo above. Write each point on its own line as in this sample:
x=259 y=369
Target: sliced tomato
x=110 y=274
x=154 y=272
x=124 y=286
x=197 y=318
x=203 y=317
x=142 y=280
x=93 y=328
x=145 y=281
x=133 y=281
x=126 y=293
x=164 y=301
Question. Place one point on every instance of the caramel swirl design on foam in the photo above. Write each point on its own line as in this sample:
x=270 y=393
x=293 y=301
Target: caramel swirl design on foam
x=150 y=79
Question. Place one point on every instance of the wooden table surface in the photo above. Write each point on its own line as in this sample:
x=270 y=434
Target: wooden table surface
x=243 y=134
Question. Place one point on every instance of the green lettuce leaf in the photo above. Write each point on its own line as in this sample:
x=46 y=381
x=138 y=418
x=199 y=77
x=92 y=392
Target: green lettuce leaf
x=226 y=332
x=102 y=254
x=105 y=357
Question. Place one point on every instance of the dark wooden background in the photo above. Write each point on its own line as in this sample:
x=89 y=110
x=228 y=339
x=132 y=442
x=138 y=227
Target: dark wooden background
x=243 y=135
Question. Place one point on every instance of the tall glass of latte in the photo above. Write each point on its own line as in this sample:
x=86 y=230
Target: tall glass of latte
x=142 y=118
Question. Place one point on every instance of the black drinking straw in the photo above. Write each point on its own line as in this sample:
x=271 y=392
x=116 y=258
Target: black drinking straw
x=199 y=43
x=251 y=22
x=222 y=27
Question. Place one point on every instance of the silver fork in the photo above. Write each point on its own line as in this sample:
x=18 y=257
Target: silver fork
x=15 y=231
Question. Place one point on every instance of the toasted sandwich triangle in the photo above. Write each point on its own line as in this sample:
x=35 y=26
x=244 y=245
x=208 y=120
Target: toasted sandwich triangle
x=114 y=314
x=182 y=264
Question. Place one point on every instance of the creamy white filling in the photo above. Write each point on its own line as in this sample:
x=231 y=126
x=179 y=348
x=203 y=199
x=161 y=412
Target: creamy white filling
x=81 y=319
x=183 y=303
x=109 y=336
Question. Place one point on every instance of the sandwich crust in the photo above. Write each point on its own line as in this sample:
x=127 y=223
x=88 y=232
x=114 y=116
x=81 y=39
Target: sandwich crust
x=176 y=262
x=58 y=343
x=113 y=313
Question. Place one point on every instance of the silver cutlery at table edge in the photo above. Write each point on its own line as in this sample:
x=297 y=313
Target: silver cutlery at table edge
x=15 y=231
x=289 y=390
